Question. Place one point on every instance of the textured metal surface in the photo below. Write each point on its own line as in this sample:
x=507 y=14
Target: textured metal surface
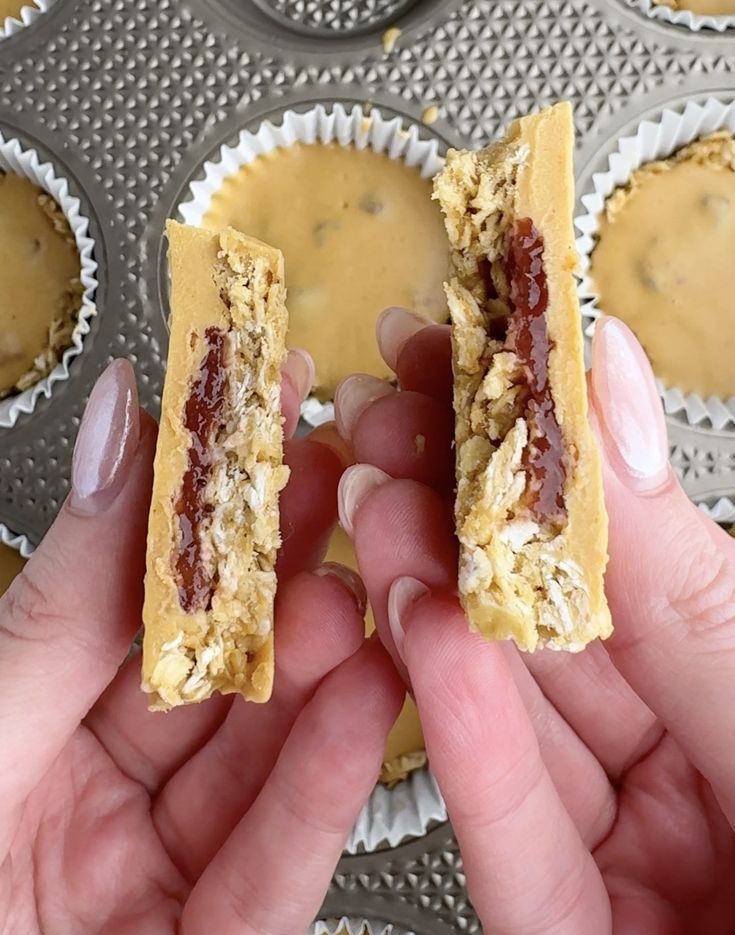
x=334 y=16
x=128 y=97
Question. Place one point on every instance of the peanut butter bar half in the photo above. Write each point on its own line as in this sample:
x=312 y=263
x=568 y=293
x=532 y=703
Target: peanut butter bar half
x=214 y=526
x=529 y=508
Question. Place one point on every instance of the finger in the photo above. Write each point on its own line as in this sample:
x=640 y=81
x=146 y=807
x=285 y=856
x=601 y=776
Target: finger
x=405 y=434
x=67 y=621
x=273 y=872
x=308 y=505
x=418 y=351
x=527 y=867
x=671 y=577
x=296 y=384
x=319 y=624
x=594 y=698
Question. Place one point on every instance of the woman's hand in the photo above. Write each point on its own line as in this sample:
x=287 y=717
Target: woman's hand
x=220 y=817
x=589 y=793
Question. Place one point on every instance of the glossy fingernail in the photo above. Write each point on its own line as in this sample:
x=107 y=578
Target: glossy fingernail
x=107 y=440
x=349 y=578
x=353 y=396
x=356 y=483
x=301 y=370
x=404 y=594
x=395 y=326
x=628 y=408
x=328 y=436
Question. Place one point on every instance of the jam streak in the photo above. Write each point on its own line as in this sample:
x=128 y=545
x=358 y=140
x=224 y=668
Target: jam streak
x=528 y=337
x=202 y=417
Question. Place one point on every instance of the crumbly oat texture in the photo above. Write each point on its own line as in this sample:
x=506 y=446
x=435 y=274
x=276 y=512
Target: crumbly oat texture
x=235 y=284
x=538 y=583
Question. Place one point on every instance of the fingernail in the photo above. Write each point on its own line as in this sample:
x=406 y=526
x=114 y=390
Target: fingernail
x=403 y=595
x=395 y=326
x=107 y=440
x=355 y=485
x=328 y=436
x=353 y=396
x=349 y=578
x=628 y=408
x=301 y=370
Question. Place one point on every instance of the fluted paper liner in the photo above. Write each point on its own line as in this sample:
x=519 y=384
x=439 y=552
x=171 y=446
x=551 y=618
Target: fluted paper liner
x=323 y=124
x=26 y=162
x=15 y=541
x=355 y=926
x=685 y=18
x=653 y=140
x=27 y=15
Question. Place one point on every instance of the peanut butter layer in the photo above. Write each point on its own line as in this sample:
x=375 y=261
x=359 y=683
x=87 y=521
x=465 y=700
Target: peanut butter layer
x=702 y=7
x=40 y=288
x=11 y=564
x=663 y=263
x=529 y=510
x=359 y=233
x=12 y=8
x=214 y=523
x=404 y=750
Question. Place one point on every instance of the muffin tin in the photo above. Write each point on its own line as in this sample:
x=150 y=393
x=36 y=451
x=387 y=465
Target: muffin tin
x=128 y=99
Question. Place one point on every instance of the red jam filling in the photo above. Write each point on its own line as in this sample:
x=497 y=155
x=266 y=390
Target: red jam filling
x=528 y=337
x=202 y=417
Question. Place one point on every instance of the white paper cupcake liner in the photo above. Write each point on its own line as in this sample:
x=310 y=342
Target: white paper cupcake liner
x=356 y=926
x=324 y=124
x=685 y=18
x=15 y=541
x=653 y=140
x=394 y=815
x=26 y=162
x=27 y=15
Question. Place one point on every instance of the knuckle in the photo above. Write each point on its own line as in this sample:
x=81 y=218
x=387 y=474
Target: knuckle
x=702 y=600
x=26 y=611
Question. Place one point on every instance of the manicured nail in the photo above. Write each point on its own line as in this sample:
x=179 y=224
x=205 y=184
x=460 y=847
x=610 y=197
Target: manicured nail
x=395 y=326
x=355 y=485
x=628 y=408
x=403 y=595
x=353 y=396
x=328 y=436
x=349 y=578
x=107 y=440
x=301 y=370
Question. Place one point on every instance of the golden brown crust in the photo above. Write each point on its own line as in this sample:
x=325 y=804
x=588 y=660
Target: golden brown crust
x=534 y=582
x=235 y=284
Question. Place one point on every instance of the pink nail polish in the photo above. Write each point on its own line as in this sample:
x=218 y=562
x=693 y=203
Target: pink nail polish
x=353 y=396
x=403 y=595
x=628 y=408
x=356 y=483
x=301 y=371
x=395 y=326
x=107 y=440
x=349 y=578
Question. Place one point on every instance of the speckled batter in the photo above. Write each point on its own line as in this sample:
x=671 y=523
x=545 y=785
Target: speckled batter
x=702 y=7
x=664 y=264
x=359 y=233
x=40 y=289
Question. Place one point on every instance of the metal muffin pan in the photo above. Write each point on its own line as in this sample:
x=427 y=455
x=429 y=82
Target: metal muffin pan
x=127 y=98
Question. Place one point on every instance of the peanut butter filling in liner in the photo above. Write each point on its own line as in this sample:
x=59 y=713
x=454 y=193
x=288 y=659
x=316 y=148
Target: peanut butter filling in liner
x=675 y=13
x=16 y=541
x=26 y=163
x=350 y=925
x=410 y=807
x=26 y=16
x=656 y=140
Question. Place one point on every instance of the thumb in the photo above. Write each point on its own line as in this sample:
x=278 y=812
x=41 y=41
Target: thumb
x=671 y=577
x=68 y=620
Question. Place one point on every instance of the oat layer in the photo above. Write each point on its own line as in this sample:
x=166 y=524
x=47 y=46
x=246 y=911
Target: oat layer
x=229 y=282
x=534 y=582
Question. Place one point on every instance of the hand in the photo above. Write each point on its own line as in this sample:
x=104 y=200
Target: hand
x=589 y=793
x=220 y=817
